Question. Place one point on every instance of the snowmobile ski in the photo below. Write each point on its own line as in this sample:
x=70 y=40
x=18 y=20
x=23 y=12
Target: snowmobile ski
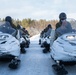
x=59 y=70
x=14 y=64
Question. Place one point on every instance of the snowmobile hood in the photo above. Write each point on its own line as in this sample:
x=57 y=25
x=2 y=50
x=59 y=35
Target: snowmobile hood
x=68 y=42
x=6 y=41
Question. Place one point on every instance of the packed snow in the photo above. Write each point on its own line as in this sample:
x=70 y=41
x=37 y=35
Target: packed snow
x=34 y=62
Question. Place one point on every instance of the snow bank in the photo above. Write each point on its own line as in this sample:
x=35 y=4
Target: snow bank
x=35 y=37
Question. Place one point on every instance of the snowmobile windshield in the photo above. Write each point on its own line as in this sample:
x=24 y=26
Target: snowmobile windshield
x=68 y=26
x=5 y=27
x=73 y=24
x=64 y=29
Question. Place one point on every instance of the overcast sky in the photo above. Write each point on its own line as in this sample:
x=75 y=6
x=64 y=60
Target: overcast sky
x=37 y=9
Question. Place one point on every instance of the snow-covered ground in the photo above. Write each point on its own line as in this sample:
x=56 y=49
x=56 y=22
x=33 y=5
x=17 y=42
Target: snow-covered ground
x=34 y=62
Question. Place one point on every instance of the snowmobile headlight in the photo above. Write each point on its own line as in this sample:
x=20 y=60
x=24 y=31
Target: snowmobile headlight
x=71 y=37
x=2 y=37
x=49 y=37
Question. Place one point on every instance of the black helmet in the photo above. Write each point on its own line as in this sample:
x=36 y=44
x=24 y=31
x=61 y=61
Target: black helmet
x=18 y=26
x=49 y=26
x=8 y=18
x=62 y=16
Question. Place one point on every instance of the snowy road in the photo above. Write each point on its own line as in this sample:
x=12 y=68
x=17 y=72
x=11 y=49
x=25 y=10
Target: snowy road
x=34 y=62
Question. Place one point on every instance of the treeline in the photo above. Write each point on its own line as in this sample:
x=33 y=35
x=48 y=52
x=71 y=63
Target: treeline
x=35 y=26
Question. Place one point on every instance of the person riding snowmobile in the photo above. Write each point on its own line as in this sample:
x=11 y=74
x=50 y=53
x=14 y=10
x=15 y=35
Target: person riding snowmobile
x=9 y=20
x=26 y=36
x=47 y=35
x=62 y=50
x=48 y=30
x=62 y=26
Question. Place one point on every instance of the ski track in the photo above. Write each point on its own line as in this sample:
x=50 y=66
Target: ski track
x=34 y=62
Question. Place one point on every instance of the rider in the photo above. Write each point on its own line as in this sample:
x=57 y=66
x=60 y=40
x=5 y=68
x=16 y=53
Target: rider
x=62 y=26
x=48 y=30
x=47 y=35
x=9 y=19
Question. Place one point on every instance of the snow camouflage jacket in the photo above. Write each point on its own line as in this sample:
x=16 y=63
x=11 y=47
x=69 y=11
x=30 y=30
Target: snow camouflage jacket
x=48 y=33
x=64 y=28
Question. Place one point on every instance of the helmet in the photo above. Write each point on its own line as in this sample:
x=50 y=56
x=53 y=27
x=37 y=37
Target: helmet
x=49 y=26
x=18 y=26
x=62 y=16
x=8 y=18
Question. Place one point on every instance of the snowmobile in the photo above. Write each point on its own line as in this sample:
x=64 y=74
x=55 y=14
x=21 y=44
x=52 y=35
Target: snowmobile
x=41 y=40
x=9 y=45
x=46 y=44
x=24 y=39
x=63 y=51
x=21 y=41
x=66 y=48
x=27 y=39
x=48 y=41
